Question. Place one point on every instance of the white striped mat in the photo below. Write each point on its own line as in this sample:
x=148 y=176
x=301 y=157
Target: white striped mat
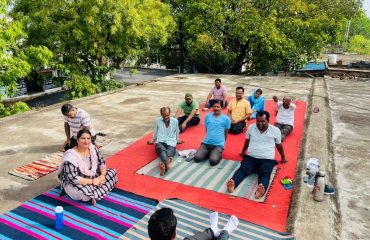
x=203 y=175
x=192 y=219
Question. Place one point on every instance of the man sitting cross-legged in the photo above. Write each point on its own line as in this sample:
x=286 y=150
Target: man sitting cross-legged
x=261 y=139
x=217 y=126
x=162 y=226
x=189 y=109
x=239 y=111
x=219 y=92
x=166 y=136
x=285 y=116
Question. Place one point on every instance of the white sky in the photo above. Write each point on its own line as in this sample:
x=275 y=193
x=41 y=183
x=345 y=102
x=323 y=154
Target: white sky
x=367 y=7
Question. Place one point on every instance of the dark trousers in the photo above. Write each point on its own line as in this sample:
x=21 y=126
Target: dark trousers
x=194 y=121
x=285 y=129
x=212 y=101
x=237 y=128
x=263 y=167
x=212 y=152
x=165 y=151
x=207 y=234
x=73 y=143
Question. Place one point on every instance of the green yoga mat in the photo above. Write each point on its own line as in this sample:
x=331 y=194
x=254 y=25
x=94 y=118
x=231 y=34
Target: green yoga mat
x=192 y=219
x=203 y=175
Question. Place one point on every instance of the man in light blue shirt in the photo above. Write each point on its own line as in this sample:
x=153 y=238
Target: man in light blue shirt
x=261 y=140
x=217 y=127
x=165 y=137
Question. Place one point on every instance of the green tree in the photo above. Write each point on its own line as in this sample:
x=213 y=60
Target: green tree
x=13 y=64
x=360 y=26
x=94 y=36
x=16 y=59
x=223 y=35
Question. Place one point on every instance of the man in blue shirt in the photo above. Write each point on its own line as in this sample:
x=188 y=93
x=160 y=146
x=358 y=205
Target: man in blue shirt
x=166 y=136
x=217 y=128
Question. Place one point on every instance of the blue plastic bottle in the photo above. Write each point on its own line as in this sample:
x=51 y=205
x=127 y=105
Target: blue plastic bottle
x=59 y=217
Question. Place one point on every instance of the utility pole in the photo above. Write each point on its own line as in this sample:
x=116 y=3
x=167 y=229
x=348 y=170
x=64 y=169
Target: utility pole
x=346 y=34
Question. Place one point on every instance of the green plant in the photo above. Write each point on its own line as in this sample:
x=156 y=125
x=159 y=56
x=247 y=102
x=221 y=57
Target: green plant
x=133 y=71
x=15 y=108
x=109 y=85
x=359 y=44
x=80 y=86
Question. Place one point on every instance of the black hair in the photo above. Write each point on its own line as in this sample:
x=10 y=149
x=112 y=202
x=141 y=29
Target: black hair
x=218 y=80
x=259 y=90
x=162 y=224
x=164 y=109
x=66 y=108
x=217 y=101
x=82 y=131
x=237 y=88
x=263 y=113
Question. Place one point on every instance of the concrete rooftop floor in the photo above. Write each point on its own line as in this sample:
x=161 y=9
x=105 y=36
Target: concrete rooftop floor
x=338 y=135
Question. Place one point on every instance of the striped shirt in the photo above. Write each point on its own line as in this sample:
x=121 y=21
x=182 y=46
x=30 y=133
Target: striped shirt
x=77 y=123
x=168 y=135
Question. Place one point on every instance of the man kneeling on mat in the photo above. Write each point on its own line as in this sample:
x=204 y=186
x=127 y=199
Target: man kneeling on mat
x=217 y=127
x=166 y=136
x=261 y=139
x=162 y=226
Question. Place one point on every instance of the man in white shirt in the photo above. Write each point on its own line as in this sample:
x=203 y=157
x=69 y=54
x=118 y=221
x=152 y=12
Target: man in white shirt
x=261 y=139
x=285 y=115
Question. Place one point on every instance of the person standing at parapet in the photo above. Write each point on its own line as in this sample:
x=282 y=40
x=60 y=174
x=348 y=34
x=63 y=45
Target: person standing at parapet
x=75 y=119
x=217 y=127
x=165 y=137
x=285 y=116
x=189 y=109
x=239 y=111
x=219 y=92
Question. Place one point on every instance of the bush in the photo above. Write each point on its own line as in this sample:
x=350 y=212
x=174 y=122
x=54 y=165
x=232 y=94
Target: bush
x=16 y=108
x=109 y=85
x=80 y=86
x=359 y=44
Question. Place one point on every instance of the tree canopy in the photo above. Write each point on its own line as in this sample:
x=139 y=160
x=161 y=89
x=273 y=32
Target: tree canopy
x=17 y=59
x=87 y=39
x=94 y=36
x=222 y=35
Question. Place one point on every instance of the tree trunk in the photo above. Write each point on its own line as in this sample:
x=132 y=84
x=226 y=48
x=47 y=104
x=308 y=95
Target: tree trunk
x=182 y=46
x=240 y=59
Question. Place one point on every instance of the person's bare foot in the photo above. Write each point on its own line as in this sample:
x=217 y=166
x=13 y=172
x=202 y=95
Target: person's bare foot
x=169 y=163
x=230 y=186
x=93 y=201
x=260 y=191
x=162 y=169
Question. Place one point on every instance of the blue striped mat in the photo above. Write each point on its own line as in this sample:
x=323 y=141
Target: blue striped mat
x=191 y=219
x=203 y=175
x=108 y=219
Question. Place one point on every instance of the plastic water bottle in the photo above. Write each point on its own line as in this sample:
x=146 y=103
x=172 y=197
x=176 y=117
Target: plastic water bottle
x=59 y=217
x=318 y=192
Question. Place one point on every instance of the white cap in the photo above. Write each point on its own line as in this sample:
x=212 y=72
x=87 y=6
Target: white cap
x=313 y=163
x=58 y=209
